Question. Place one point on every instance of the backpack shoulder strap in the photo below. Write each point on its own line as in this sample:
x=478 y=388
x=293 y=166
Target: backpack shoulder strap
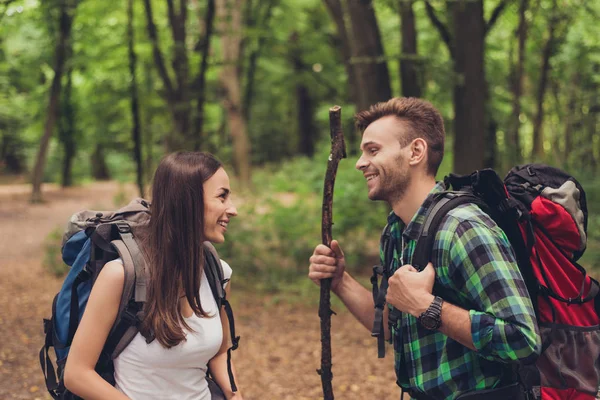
x=214 y=273
x=125 y=327
x=445 y=202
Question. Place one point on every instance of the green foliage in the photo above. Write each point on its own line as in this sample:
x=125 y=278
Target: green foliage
x=279 y=225
x=52 y=254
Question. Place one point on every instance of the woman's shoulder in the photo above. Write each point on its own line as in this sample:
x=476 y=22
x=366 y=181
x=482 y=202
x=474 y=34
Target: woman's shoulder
x=227 y=271
x=112 y=274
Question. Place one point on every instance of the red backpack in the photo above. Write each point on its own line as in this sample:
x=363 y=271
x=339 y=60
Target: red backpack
x=543 y=212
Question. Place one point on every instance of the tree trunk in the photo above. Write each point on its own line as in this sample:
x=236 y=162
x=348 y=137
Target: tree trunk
x=262 y=21
x=230 y=19
x=513 y=140
x=67 y=13
x=10 y=154
x=336 y=10
x=135 y=109
x=538 y=127
x=591 y=121
x=148 y=136
x=409 y=63
x=368 y=58
x=304 y=106
x=569 y=117
x=200 y=85
x=176 y=92
x=67 y=130
x=469 y=88
x=99 y=169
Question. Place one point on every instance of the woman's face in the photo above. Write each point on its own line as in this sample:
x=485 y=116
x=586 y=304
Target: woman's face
x=218 y=208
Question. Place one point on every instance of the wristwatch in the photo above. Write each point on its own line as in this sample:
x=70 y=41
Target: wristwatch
x=432 y=317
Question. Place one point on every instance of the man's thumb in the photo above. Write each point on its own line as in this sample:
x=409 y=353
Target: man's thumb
x=335 y=246
x=429 y=269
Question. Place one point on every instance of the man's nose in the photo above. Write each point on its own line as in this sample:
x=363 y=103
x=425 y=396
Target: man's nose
x=361 y=163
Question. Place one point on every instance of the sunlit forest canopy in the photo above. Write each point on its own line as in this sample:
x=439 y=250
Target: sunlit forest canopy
x=95 y=90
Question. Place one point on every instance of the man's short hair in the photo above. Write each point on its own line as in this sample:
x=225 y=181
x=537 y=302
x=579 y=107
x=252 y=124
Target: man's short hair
x=421 y=116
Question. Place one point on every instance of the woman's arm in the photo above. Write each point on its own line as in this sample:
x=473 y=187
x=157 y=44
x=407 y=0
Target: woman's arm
x=218 y=364
x=98 y=318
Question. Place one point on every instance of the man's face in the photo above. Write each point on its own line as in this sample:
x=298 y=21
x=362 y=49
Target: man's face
x=383 y=161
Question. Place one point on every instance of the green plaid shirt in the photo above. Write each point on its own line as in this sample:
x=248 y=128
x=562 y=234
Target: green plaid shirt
x=474 y=260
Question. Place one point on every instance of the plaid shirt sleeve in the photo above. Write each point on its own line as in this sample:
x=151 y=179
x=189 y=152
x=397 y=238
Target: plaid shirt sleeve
x=483 y=267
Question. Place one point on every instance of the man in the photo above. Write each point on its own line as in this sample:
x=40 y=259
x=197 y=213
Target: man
x=493 y=324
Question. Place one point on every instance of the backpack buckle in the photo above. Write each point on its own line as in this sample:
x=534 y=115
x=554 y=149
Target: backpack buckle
x=123 y=227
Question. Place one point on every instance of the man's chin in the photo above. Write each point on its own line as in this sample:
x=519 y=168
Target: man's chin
x=373 y=195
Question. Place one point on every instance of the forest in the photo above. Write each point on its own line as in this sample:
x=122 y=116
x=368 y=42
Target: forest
x=94 y=93
x=94 y=90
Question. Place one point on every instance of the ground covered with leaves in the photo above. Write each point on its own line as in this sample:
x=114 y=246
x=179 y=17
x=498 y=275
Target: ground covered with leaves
x=279 y=350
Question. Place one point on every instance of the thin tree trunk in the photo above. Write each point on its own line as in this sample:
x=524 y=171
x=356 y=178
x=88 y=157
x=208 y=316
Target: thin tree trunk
x=230 y=19
x=469 y=98
x=135 y=109
x=67 y=13
x=569 y=117
x=67 y=130
x=513 y=142
x=336 y=10
x=148 y=138
x=538 y=132
x=368 y=58
x=304 y=106
x=176 y=92
x=409 y=64
x=253 y=61
x=201 y=78
x=591 y=121
x=99 y=168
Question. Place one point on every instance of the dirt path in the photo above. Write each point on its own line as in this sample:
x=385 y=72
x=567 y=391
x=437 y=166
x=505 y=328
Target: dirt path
x=279 y=350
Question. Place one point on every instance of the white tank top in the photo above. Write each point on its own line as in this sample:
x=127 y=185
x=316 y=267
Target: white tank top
x=150 y=371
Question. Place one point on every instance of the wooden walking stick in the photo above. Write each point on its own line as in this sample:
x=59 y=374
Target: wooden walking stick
x=338 y=151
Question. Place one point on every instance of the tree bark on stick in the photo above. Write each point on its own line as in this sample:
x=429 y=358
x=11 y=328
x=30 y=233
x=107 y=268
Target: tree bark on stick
x=67 y=12
x=338 y=151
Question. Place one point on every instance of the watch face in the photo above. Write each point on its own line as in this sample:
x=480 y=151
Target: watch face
x=429 y=322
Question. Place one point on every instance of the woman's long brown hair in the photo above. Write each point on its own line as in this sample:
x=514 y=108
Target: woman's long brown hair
x=174 y=246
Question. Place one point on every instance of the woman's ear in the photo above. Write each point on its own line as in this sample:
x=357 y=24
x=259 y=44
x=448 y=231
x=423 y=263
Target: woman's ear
x=418 y=151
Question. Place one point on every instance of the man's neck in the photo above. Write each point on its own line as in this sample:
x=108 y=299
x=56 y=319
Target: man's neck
x=413 y=198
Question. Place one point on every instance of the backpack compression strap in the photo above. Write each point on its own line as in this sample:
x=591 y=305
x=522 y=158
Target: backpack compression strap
x=214 y=274
x=379 y=292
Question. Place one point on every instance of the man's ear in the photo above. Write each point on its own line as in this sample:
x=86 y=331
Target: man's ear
x=418 y=151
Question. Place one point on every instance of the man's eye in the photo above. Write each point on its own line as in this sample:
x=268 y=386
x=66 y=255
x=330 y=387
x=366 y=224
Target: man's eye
x=372 y=150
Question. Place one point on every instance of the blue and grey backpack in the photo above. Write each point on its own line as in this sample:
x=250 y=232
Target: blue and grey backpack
x=91 y=240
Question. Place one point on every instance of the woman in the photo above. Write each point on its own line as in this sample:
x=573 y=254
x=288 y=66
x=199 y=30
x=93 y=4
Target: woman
x=190 y=204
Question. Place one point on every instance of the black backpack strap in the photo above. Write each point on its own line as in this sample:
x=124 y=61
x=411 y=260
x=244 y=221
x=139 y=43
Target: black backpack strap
x=380 y=291
x=443 y=203
x=50 y=376
x=214 y=273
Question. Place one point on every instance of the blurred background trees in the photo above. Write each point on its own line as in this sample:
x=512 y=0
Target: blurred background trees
x=93 y=90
